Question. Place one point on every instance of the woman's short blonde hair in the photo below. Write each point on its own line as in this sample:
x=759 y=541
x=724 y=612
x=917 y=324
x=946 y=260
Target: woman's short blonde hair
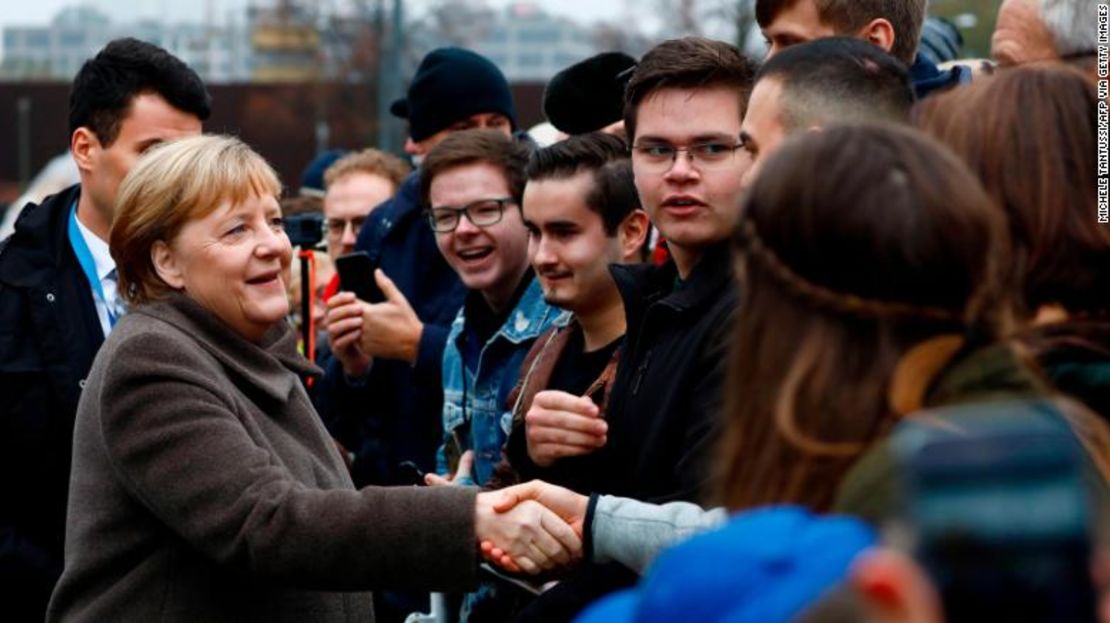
x=172 y=184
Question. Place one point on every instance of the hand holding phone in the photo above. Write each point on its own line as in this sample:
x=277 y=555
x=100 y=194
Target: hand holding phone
x=390 y=328
x=356 y=274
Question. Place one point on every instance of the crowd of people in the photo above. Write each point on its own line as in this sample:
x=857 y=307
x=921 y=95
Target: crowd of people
x=822 y=336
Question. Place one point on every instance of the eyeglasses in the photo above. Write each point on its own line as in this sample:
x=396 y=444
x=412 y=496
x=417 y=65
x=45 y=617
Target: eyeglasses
x=334 y=227
x=706 y=156
x=481 y=213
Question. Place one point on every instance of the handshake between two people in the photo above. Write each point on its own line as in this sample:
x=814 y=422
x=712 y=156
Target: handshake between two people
x=532 y=527
x=536 y=526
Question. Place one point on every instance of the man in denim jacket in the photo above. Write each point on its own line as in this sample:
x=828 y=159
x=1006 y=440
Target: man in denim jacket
x=472 y=185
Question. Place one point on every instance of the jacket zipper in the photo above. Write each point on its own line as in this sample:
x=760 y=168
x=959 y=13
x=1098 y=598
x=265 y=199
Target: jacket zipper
x=641 y=371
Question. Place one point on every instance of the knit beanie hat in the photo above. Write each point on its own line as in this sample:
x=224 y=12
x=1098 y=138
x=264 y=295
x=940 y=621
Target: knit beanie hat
x=451 y=85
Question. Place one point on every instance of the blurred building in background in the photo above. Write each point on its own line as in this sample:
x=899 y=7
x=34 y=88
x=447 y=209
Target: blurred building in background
x=526 y=42
x=57 y=50
x=300 y=41
x=284 y=42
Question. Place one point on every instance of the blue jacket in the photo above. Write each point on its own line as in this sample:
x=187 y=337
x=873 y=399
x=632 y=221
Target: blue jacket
x=393 y=415
x=475 y=411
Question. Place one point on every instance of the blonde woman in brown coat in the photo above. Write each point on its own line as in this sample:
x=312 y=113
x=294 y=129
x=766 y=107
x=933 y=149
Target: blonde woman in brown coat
x=204 y=487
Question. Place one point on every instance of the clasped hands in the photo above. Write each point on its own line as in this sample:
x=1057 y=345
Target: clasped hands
x=532 y=527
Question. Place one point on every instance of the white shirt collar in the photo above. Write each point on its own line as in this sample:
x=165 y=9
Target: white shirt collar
x=102 y=257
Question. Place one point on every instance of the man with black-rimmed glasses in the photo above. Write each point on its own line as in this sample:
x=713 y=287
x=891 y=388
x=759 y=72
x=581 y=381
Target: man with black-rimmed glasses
x=472 y=184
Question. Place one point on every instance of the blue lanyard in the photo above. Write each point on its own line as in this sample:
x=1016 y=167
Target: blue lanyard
x=88 y=264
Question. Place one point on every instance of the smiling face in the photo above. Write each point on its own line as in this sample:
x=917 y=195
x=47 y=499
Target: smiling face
x=491 y=259
x=693 y=208
x=233 y=262
x=570 y=249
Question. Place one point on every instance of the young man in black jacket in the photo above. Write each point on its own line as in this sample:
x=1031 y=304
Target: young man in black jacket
x=684 y=106
x=58 y=299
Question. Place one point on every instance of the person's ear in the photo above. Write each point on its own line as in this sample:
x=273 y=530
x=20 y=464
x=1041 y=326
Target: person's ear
x=85 y=146
x=166 y=265
x=633 y=232
x=879 y=32
x=894 y=589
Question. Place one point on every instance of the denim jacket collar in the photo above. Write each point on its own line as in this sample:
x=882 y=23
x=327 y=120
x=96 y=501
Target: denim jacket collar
x=526 y=321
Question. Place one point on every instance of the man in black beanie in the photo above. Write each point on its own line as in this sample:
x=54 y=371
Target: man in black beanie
x=384 y=406
x=453 y=89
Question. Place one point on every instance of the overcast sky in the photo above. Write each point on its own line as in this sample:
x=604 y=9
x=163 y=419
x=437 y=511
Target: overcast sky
x=39 y=12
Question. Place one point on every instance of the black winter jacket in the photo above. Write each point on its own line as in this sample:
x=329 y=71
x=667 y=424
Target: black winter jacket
x=664 y=413
x=49 y=334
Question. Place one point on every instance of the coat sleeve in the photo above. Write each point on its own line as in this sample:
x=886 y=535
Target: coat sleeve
x=633 y=533
x=182 y=451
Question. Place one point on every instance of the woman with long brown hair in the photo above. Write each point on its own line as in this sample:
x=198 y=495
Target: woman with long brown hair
x=861 y=284
x=1029 y=134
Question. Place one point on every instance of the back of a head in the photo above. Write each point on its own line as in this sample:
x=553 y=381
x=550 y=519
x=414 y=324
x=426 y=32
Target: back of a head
x=606 y=158
x=687 y=63
x=847 y=17
x=470 y=147
x=889 y=241
x=872 y=193
x=839 y=80
x=105 y=85
x=1030 y=135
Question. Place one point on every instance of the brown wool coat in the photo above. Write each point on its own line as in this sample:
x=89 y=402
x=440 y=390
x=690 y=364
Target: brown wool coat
x=204 y=488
